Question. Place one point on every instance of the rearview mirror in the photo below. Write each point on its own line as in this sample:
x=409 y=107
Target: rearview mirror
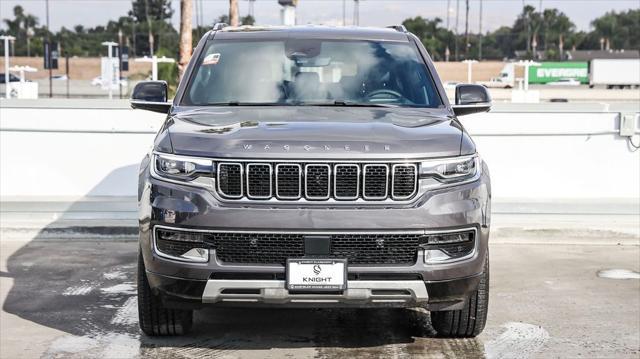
x=151 y=96
x=471 y=99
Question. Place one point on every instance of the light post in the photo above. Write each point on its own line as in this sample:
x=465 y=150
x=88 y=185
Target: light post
x=30 y=34
x=469 y=68
x=526 y=65
x=6 y=62
x=110 y=72
x=154 y=64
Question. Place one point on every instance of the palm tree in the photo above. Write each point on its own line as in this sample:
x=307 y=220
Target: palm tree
x=233 y=12
x=186 y=8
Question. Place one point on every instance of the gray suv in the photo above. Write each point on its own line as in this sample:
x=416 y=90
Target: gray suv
x=312 y=167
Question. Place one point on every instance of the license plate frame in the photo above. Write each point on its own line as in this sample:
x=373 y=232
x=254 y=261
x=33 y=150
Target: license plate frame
x=294 y=284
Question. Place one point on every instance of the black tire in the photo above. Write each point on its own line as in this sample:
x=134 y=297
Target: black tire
x=470 y=321
x=155 y=319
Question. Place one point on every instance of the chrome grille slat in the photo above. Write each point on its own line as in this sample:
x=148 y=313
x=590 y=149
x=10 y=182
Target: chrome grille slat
x=229 y=178
x=288 y=181
x=259 y=180
x=346 y=181
x=339 y=181
x=375 y=182
x=317 y=185
x=403 y=180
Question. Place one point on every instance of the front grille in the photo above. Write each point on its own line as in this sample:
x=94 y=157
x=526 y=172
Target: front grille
x=376 y=181
x=317 y=181
x=275 y=248
x=404 y=179
x=288 y=181
x=259 y=180
x=230 y=179
x=346 y=181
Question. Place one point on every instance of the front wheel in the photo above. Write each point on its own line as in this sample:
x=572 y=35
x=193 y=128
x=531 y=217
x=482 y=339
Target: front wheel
x=469 y=321
x=155 y=319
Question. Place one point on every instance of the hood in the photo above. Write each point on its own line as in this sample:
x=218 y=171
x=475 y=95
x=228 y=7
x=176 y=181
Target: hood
x=311 y=132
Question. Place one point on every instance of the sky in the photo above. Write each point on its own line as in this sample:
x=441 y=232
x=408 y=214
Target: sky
x=495 y=13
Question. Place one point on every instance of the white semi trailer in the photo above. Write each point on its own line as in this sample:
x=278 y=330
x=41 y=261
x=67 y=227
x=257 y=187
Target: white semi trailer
x=614 y=73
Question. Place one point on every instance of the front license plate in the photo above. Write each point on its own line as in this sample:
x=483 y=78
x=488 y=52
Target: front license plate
x=317 y=274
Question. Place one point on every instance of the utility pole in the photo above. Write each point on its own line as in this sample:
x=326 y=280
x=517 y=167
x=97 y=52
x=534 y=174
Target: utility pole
x=356 y=12
x=526 y=24
x=456 y=32
x=146 y=14
x=186 y=44
x=251 y=3
x=344 y=12
x=49 y=41
x=233 y=13
x=466 y=31
x=448 y=12
x=480 y=38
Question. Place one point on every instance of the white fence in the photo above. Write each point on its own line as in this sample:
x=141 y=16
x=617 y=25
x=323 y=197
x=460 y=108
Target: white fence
x=72 y=151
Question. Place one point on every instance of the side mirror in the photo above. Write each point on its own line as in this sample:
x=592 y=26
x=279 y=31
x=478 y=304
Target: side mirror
x=151 y=96
x=471 y=99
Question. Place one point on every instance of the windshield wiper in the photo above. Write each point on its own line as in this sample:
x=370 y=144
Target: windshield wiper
x=356 y=104
x=238 y=103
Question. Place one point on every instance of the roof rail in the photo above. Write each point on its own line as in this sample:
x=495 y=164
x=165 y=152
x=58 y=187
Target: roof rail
x=399 y=28
x=219 y=26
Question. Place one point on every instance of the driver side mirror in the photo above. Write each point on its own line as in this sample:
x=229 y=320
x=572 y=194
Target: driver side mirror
x=471 y=99
x=151 y=96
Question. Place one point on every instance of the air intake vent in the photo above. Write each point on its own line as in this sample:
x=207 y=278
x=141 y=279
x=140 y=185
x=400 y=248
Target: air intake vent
x=230 y=179
x=317 y=181
x=404 y=181
x=346 y=181
x=259 y=180
x=376 y=178
x=288 y=181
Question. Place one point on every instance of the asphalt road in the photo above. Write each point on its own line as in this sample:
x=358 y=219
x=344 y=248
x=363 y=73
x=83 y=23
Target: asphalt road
x=77 y=299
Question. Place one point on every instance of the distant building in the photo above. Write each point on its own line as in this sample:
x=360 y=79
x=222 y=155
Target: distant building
x=588 y=55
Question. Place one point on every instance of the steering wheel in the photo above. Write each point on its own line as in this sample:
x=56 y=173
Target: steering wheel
x=395 y=95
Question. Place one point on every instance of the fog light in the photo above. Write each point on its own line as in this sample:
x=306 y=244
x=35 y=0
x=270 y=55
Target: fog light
x=181 y=245
x=196 y=254
x=443 y=247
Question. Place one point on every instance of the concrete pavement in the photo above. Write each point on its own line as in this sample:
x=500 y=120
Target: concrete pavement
x=77 y=299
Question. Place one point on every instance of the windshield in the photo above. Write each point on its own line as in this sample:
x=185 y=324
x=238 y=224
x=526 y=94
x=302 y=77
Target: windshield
x=311 y=72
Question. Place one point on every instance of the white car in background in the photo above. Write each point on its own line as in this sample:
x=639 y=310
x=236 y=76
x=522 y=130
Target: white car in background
x=97 y=81
x=564 y=82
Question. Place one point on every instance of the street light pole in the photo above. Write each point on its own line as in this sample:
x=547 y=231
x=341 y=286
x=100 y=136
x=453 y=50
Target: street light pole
x=6 y=63
x=49 y=41
x=110 y=73
x=469 y=69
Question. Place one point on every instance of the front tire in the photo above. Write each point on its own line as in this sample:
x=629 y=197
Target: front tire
x=155 y=319
x=469 y=321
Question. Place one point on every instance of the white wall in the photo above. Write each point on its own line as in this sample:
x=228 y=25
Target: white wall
x=556 y=155
x=67 y=152
x=73 y=152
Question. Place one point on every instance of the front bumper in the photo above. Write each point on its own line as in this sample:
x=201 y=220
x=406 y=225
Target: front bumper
x=446 y=284
x=438 y=295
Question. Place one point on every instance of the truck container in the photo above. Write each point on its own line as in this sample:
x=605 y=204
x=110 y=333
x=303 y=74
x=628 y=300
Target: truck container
x=613 y=73
x=555 y=71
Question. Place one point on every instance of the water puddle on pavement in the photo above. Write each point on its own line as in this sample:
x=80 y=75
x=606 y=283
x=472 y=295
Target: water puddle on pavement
x=618 y=274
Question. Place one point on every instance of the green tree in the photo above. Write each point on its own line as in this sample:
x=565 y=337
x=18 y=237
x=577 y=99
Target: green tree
x=154 y=9
x=618 y=30
x=435 y=38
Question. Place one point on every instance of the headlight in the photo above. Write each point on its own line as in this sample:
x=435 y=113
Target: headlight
x=449 y=170
x=182 y=168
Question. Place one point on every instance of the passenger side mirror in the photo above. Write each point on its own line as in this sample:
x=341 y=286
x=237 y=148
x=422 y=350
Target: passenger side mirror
x=151 y=96
x=471 y=99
